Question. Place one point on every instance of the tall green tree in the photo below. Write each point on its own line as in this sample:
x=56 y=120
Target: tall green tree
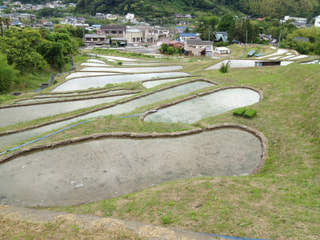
x=7 y=74
x=52 y=53
x=207 y=26
x=227 y=23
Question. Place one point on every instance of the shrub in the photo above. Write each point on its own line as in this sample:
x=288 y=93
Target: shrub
x=250 y=113
x=224 y=67
x=239 y=111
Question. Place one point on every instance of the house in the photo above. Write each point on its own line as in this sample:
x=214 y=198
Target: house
x=111 y=17
x=183 y=22
x=208 y=52
x=220 y=37
x=317 y=21
x=176 y=44
x=295 y=19
x=95 y=39
x=301 y=39
x=179 y=16
x=2 y=8
x=129 y=17
x=114 y=30
x=100 y=16
x=197 y=47
x=222 y=50
x=179 y=29
x=134 y=35
x=157 y=34
x=185 y=36
x=48 y=25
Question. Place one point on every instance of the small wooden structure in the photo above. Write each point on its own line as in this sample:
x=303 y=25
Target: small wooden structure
x=263 y=63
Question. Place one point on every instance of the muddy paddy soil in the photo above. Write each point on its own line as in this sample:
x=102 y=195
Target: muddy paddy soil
x=107 y=168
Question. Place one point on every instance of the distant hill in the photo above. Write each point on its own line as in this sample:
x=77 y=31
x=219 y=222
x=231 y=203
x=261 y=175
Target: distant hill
x=159 y=8
x=162 y=8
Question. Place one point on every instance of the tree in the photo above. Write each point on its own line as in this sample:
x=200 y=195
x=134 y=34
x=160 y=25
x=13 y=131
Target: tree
x=1 y=25
x=207 y=26
x=52 y=53
x=7 y=74
x=19 y=46
x=227 y=23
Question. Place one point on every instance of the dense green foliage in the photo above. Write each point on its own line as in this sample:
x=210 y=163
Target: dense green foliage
x=160 y=8
x=7 y=74
x=27 y=51
x=166 y=49
x=305 y=47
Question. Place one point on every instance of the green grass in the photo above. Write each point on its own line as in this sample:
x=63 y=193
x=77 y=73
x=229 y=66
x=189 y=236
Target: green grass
x=282 y=201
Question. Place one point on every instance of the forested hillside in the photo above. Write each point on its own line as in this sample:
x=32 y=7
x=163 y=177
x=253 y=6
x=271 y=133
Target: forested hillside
x=159 y=8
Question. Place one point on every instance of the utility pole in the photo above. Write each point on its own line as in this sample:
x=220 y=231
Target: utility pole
x=246 y=37
x=280 y=37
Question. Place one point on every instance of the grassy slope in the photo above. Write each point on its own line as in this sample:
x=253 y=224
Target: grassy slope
x=280 y=202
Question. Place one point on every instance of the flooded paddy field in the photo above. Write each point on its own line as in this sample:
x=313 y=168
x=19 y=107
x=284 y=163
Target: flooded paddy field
x=88 y=74
x=13 y=115
x=46 y=98
x=100 y=81
x=132 y=69
x=154 y=83
x=212 y=104
x=7 y=140
x=100 y=169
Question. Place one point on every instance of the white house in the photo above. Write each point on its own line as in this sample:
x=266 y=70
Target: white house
x=222 y=50
x=317 y=21
x=296 y=19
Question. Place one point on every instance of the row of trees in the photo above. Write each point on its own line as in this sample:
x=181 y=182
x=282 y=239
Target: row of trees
x=242 y=29
x=27 y=50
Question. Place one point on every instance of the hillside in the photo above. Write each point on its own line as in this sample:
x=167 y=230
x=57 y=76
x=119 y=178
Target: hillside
x=160 y=8
x=279 y=202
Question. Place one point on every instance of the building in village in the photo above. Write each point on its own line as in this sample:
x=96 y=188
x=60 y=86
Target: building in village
x=197 y=47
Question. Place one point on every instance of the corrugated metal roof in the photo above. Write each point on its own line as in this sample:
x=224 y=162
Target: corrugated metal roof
x=187 y=35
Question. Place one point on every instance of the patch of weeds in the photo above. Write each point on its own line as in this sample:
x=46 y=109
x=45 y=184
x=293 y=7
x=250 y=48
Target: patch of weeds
x=166 y=220
x=193 y=215
x=245 y=223
x=107 y=207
